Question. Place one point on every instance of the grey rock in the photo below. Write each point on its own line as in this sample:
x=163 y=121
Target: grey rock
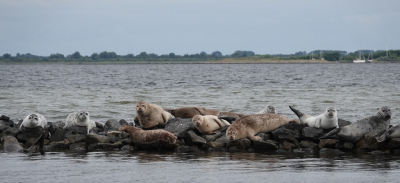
x=328 y=143
x=128 y=148
x=28 y=133
x=53 y=126
x=236 y=149
x=282 y=134
x=211 y=138
x=294 y=126
x=193 y=139
x=216 y=149
x=101 y=147
x=242 y=143
x=343 y=122
x=94 y=139
x=180 y=126
x=73 y=130
x=11 y=132
x=311 y=133
x=330 y=151
x=268 y=145
x=264 y=136
x=80 y=146
x=58 y=135
x=75 y=138
x=344 y=146
x=394 y=143
x=183 y=149
x=57 y=146
x=308 y=144
x=122 y=122
x=113 y=125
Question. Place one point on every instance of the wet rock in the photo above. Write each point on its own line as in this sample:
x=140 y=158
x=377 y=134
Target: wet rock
x=343 y=122
x=328 y=143
x=287 y=146
x=268 y=145
x=30 y=133
x=264 y=136
x=308 y=144
x=282 y=134
x=211 y=138
x=394 y=143
x=304 y=150
x=94 y=139
x=113 y=125
x=73 y=130
x=294 y=126
x=57 y=146
x=369 y=142
x=128 y=148
x=330 y=151
x=236 y=149
x=11 y=132
x=75 y=138
x=101 y=147
x=194 y=148
x=193 y=139
x=281 y=151
x=53 y=126
x=58 y=135
x=344 y=146
x=221 y=142
x=180 y=126
x=80 y=146
x=183 y=149
x=4 y=118
x=122 y=122
x=223 y=130
x=311 y=133
x=216 y=149
x=243 y=143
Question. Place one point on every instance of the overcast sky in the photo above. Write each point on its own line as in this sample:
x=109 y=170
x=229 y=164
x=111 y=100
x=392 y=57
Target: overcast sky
x=44 y=27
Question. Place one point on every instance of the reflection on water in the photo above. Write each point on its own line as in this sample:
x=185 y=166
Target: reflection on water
x=201 y=166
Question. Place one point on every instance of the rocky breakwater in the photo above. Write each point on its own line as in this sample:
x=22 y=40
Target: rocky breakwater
x=296 y=138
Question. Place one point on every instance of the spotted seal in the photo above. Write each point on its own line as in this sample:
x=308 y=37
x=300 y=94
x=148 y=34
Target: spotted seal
x=248 y=126
x=208 y=124
x=267 y=110
x=356 y=131
x=151 y=115
x=33 y=121
x=140 y=136
x=393 y=132
x=326 y=120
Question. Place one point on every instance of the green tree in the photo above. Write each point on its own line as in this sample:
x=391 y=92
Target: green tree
x=76 y=55
x=94 y=56
x=216 y=54
x=171 y=55
x=332 y=56
x=103 y=54
x=203 y=54
x=7 y=55
x=143 y=55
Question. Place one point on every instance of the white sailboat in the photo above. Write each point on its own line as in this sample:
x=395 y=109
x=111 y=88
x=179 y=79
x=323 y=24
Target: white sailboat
x=359 y=60
x=370 y=55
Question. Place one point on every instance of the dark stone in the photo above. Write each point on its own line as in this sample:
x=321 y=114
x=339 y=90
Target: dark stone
x=57 y=146
x=243 y=143
x=4 y=118
x=304 y=150
x=183 y=149
x=211 y=138
x=180 y=126
x=53 y=126
x=122 y=122
x=394 y=143
x=311 y=133
x=74 y=130
x=283 y=134
x=216 y=149
x=80 y=146
x=58 y=135
x=308 y=144
x=287 y=146
x=295 y=126
x=11 y=132
x=101 y=147
x=194 y=148
x=75 y=138
x=343 y=122
x=268 y=145
x=330 y=151
x=94 y=139
x=223 y=129
x=264 y=136
x=236 y=149
x=221 y=142
x=328 y=143
x=128 y=148
x=344 y=146
x=28 y=133
x=193 y=139
x=112 y=125
x=281 y=151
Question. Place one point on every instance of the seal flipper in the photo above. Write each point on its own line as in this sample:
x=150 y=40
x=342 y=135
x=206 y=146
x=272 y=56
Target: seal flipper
x=254 y=138
x=228 y=119
x=332 y=134
x=37 y=146
x=296 y=111
x=201 y=111
x=220 y=124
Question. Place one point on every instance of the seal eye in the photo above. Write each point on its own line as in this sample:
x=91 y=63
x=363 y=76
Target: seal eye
x=142 y=105
x=81 y=114
x=87 y=114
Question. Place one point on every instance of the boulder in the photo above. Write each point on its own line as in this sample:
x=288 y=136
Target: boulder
x=242 y=143
x=268 y=145
x=343 y=122
x=308 y=144
x=193 y=139
x=113 y=125
x=311 y=133
x=128 y=148
x=53 y=126
x=295 y=126
x=94 y=139
x=287 y=146
x=74 y=130
x=264 y=136
x=393 y=144
x=344 y=146
x=101 y=147
x=283 y=134
x=14 y=131
x=180 y=126
x=80 y=146
x=30 y=133
x=220 y=142
x=58 y=135
x=183 y=149
x=304 y=150
x=330 y=151
x=75 y=138
x=211 y=138
x=57 y=146
x=328 y=143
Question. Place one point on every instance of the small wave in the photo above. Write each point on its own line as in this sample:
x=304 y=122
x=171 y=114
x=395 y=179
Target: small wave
x=124 y=102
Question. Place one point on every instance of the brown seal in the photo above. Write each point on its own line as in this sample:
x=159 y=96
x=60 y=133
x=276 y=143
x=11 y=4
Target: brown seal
x=11 y=145
x=248 y=126
x=151 y=115
x=231 y=114
x=208 y=124
x=189 y=112
x=139 y=136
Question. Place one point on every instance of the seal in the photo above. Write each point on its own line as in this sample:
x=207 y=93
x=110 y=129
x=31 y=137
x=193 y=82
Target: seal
x=81 y=118
x=151 y=115
x=140 y=136
x=248 y=126
x=189 y=112
x=393 y=132
x=267 y=110
x=356 y=131
x=34 y=120
x=208 y=124
x=231 y=114
x=11 y=145
x=326 y=120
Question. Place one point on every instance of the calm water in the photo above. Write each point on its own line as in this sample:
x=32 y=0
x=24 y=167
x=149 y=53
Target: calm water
x=111 y=91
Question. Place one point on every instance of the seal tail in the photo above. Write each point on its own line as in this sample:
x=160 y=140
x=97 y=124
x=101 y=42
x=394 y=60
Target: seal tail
x=38 y=144
x=332 y=134
x=296 y=111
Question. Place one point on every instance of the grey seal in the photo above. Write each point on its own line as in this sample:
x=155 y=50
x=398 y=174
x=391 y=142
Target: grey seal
x=393 y=132
x=267 y=110
x=326 y=120
x=356 y=131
